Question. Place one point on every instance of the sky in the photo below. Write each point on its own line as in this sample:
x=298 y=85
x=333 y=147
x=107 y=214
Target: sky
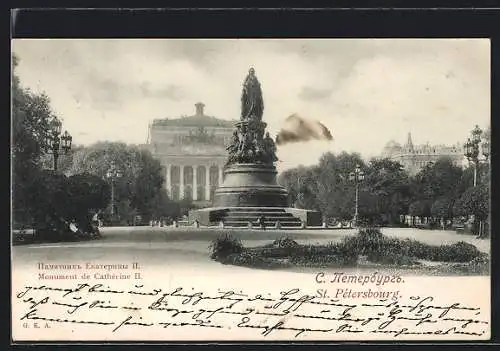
x=366 y=91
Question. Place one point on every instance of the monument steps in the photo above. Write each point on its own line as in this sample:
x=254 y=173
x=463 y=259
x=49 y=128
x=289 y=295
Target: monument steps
x=269 y=225
x=259 y=213
x=267 y=218
x=256 y=209
x=242 y=216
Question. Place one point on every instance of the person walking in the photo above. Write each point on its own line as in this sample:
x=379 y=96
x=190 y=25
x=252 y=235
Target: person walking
x=262 y=222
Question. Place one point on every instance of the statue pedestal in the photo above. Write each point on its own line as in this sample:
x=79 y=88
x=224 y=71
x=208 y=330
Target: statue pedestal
x=250 y=185
x=250 y=191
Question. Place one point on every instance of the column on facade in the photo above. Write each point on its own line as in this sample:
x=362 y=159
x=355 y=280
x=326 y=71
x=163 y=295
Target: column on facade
x=207 y=182
x=195 y=183
x=221 y=175
x=181 y=182
x=169 y=179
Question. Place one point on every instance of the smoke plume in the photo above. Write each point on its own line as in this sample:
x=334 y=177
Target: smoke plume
x=298 y=129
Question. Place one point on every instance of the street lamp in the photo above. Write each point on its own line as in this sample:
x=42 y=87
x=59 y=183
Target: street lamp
x=300 y=196
x=57 y=142
x=113 y=174
x=357 y=176
x=472 y=150
x=303 y=184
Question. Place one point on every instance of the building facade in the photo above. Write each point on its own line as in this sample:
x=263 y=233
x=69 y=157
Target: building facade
x=192 y=152
x=415 y=157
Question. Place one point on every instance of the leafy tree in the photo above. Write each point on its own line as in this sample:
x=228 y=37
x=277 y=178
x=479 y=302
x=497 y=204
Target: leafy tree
x=467 y=178
x=185 y=205
x=388 y=185
x=48 y=203
x=301 y=183
x=442 y=208
x=165 y=207
x=437 y=180
x=420 y=208
x=147 y=184
x=31 y=115
x=475 y=201
x=141 y=175
x=334 y=191
x=88 y=192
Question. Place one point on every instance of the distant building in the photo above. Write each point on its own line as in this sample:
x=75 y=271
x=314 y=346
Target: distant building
x=415 y=157
x=192 y=150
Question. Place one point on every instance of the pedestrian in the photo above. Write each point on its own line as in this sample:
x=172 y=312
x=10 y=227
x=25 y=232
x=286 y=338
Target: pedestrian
x=95 y=219
x=262 y=222
x=73 y=226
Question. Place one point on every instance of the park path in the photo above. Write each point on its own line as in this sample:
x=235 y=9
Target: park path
x=188 y=248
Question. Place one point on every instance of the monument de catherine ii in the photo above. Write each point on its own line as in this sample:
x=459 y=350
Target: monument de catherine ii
x=226 y=166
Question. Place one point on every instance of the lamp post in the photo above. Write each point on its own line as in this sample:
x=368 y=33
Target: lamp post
x=300 y=196
x=357 y=176
x=113 y=174
x=472 y=150
x=57 y=142
x=303 y=183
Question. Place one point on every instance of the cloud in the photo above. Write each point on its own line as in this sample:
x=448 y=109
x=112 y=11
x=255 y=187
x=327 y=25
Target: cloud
x=309 y=93
x=171 y=91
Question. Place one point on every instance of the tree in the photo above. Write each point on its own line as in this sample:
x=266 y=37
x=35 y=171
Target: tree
x=165 y=207
x=147 y=184
x=185 y=205
x=142 y=176
x=467 y=178
x=335 y=193
x=442 y=208
x=88 y=192
x=31 y=115
x=420 y=208
x=301 y=183
x=475 y=201
x=437 y=179
x=388 y=184
x=49 y=203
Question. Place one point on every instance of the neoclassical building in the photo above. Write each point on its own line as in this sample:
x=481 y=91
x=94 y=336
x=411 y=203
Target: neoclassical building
x=415 y=157
x=192 y=151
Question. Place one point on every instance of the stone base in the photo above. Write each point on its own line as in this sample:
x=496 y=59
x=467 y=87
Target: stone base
x=249 y=191
x=250 y=185
x=243 y=216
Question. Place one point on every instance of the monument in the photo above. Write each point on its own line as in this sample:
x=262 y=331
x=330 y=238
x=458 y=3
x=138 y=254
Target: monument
x=250 y=190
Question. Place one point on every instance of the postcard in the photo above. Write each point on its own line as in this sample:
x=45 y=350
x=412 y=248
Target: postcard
x=250 y=190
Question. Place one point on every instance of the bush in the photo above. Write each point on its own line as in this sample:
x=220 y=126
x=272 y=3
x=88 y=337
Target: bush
x=458 y=252
x=285 y=241
x=393 y=258
x=346 y=256
x=477 y=266
x=380 y=249
x=321 y=261
x=333 y=254
x=225 y=245
x=251 y=259
x=368 y=242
